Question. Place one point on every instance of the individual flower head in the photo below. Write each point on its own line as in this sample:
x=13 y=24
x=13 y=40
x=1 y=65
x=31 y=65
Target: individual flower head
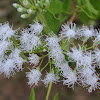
x=68 y=31
x=89 y=78
x=87 y=59
x=54 y=49
x=69 y=76
x=97 y=37
x=4 y=45
x=52 y=41
x=70 y=79
x=76 y=54
x=64 y=67
x=97 y=56
x=50 y=77
x=33 y=59
x=87 y=32
x=6 y=31
x=9 y=67
x=57 y=55
x=93 y=83
x=33 y=77
x=15 y=55
x=29 y=41
x=36 y=28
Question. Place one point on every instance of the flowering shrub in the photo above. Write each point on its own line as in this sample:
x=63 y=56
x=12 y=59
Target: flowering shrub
x=40 y=40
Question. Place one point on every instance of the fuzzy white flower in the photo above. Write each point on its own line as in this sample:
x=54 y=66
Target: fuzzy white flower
x=70 y=80
x=55 y=51
x=98 y=37
x=76 y=55
x=86 y=32
x=68 y=31
x=33 y=76
x=15 y=55
x=88 y=77
x=9 y=67
x=65 y=69
x=33 y=59
x=97 y=56
x=50 y=77
x=29 y=41
x=4 y=45
x=36 y=28
x=93 y=83
x=52 y=42
x=87 y=59
x=57 y=55
x=6 y=31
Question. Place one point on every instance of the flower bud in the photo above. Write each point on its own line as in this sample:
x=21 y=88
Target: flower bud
x=30 y=11
x=21 y=9
x=16 y=5
x=25 y=2
x=25 y=15
x=47 y=3
x=40 y=4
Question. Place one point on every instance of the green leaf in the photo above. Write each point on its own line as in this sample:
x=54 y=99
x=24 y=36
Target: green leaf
x=96 y=4
x=87 y=12
x=56 y=97
x=56 y=7
x=90 y=7
x=66 y=5
x=84 y=18
x=59 y=9
x=32 y=95
x=65 y=45
x=78 y=2
x=52 y=22
x=62 y=17
x=67 y=59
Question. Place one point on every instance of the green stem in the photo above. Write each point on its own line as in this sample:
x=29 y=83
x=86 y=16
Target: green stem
x=44 y=67
x=90 y=47
x=48 y=92
x=40 y=63
x=50 y=64
x=73 y=16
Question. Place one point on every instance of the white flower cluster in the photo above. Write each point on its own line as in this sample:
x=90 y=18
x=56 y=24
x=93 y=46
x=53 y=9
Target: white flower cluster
x=34 y=59
x=33 y=76
x=50 y=77
x=84 y=59
x=8 y=62
x=54 y=49
x=29 y=41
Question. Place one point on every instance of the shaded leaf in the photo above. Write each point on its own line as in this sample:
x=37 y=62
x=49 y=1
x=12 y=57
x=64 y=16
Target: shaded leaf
x=66 y=5
x=90 y=7
x=56 y=7
x=84 y=18
x=56 y=97
x=32 y=95
x=65 y=45
x=52 y=21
